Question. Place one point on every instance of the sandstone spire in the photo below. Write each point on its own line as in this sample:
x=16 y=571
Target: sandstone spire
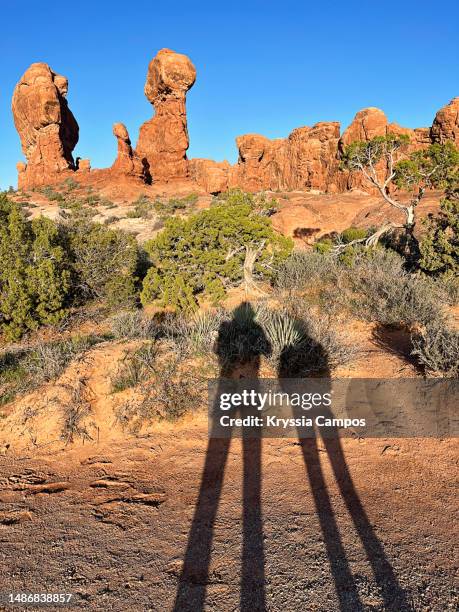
x=163 y=140
x=46 y=126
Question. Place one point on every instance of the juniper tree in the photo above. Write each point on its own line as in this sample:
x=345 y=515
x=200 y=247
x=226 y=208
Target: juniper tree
x=211 y=251
x=381 y=162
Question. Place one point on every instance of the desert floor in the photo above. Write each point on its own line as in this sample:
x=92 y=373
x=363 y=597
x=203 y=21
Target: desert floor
x=356 y=525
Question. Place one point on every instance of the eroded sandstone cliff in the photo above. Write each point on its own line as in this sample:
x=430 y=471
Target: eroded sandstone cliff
x=308 y=159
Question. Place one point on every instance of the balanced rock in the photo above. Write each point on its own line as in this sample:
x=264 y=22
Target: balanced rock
x=446 y=123
x=127 y=161
x=163 y=140
x=46 y=126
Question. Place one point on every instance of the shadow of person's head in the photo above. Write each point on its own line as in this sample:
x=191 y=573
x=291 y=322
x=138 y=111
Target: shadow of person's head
x=240 y=343
x=303 y=356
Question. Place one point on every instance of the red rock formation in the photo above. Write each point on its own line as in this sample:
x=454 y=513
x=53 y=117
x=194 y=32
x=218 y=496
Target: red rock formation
x=446 y=123
x=257 y=167
x=46 y=126
x=368 y=123
x=127 y=162
x=307 y=159
x=163 y=140
x=210 y=175
x=312 y=157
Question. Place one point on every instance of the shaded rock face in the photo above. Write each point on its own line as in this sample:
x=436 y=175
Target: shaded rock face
x=446 y=123
x=163 y=140
x=127 y=161
x=46 y=126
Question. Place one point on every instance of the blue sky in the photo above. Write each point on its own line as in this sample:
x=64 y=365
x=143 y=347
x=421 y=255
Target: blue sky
x=262 y=66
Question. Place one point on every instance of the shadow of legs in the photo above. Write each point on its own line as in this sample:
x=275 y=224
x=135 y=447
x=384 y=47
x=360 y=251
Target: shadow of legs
x=392 y=593
x=342 y=576
x=193 y=581
x=253 y=558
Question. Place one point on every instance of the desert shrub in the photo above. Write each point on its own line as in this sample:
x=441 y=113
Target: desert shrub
x=303 y=343
x=193 y=333
x=51 y=194
x=104 y=261
x=302 y=268
x=111 y=219
x=133 y=324
x=75 y=412
x=204 y=254
x=70 y=184
x=439 y=248
x=168 y=208
x=175 y=391
x=34 y=275
x=142 y=208
x=448 y=286
x=436 y=348
x=106 y=203
x=135 y=368
x=92 y=200
x=381 y=290
x=47 y=361
x=371 y=284
x=23 y=371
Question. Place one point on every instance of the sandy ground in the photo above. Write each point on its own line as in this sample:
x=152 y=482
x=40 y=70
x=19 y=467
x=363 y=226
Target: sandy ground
x=269 y=525
x=171 y=521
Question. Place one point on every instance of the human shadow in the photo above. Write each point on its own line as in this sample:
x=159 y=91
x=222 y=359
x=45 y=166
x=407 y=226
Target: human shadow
x=310 y=359
x=240 y=344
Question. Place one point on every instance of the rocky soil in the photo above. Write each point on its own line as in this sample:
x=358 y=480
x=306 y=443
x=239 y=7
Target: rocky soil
x=167 y=521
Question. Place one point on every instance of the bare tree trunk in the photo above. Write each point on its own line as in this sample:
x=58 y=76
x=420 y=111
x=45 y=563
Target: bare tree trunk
x=249 y=263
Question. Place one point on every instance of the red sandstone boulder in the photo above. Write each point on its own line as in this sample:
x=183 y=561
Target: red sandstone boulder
x=127 y=162
x=446 y=123
x=46 y=126
x=163 y=140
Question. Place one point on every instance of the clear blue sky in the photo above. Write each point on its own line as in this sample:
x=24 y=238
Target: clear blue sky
x=262 y=66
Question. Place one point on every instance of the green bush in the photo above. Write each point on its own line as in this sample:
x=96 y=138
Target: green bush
x=204 y=254
x=34 y=275
x=323 y=246
x=353 y=233
x=104 y=261
x=439 y=248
